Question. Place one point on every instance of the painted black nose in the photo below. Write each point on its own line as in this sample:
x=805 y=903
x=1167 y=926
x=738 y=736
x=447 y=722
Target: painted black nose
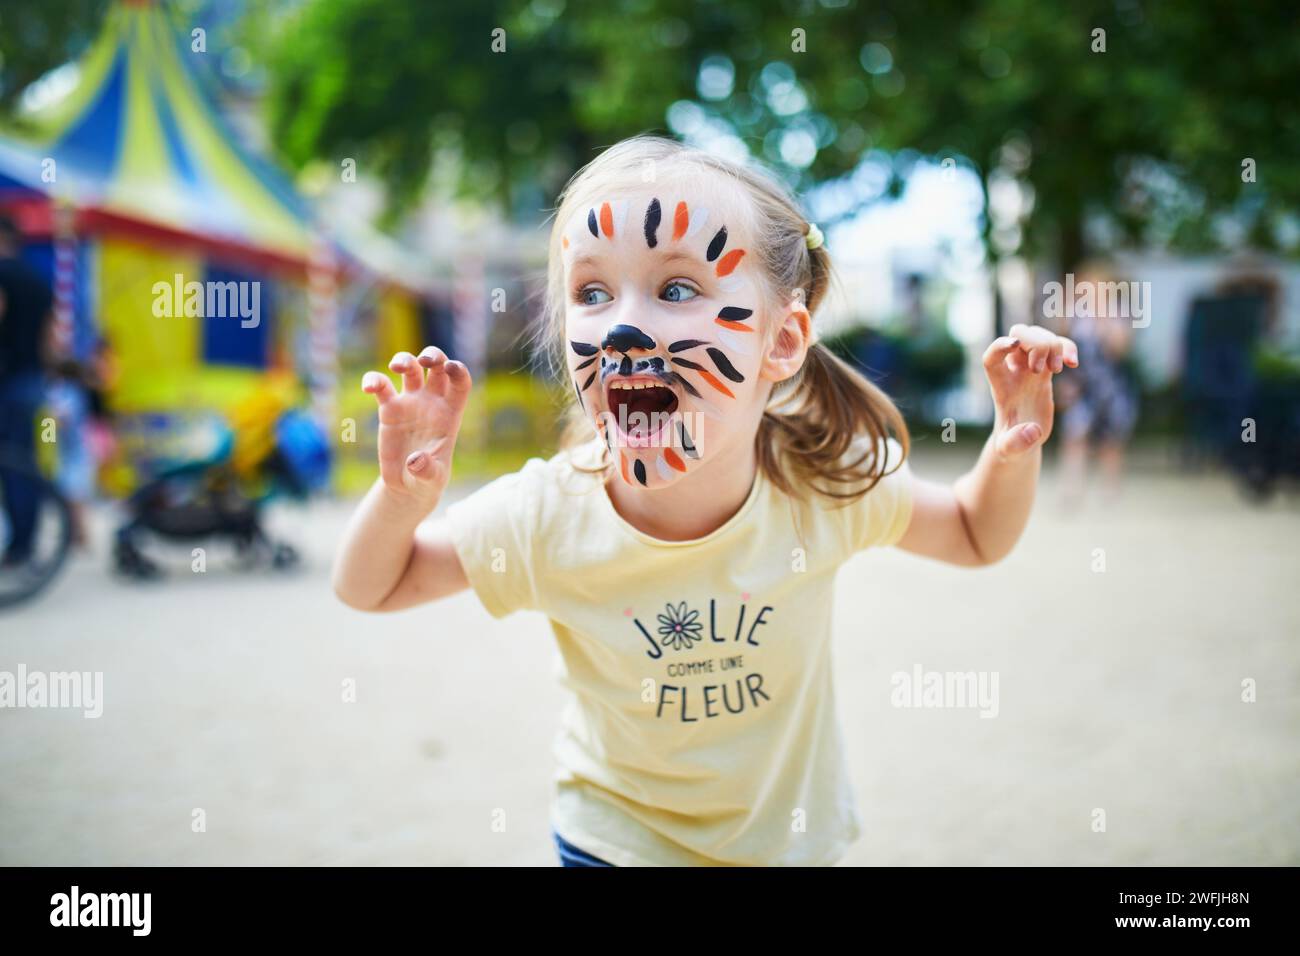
x=625 y=338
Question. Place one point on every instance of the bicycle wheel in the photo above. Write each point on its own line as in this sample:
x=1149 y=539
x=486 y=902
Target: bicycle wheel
x=35 y=530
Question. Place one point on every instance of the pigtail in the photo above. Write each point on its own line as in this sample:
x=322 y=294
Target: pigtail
x=805 y=434
x=812 y=421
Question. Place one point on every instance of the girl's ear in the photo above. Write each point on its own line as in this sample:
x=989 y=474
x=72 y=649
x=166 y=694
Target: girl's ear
x=791 y=341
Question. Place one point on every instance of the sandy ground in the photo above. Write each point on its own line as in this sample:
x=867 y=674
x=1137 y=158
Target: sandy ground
x=1118 y=690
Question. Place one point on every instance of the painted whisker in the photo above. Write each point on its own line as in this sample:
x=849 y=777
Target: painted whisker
x=690 y=389
x=724 y=365
x=713 y=380
x=688 y=445
x=685 y=344
x=734 y=342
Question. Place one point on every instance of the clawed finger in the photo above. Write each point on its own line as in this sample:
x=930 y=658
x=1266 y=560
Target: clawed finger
x=1069 y=352
x=434 y=360
x=405 y=364
x=998 y=350
x=458 y=382
x=378 y=385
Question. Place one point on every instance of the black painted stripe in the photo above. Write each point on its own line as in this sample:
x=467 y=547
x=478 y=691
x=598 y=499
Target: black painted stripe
x=591 y=223
x=677 y=376
x=638 y=467
x=735 y=314
x=724 y=366
x=688 y=446
x=685 y=344
x=589 y=380
x=584 y=348
x=652 y=216
x=582 y=365
x=688 y=363
x=715 y=247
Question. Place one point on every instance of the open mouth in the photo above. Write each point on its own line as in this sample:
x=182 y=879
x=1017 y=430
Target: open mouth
x=642 y=409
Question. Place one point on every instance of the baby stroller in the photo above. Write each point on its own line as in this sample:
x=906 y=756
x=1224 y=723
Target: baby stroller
x=268 y=451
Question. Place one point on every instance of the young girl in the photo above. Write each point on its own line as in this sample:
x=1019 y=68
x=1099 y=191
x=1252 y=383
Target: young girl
x=719 y=467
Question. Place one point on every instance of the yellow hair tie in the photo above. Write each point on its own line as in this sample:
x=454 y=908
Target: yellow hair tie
x=814 y=238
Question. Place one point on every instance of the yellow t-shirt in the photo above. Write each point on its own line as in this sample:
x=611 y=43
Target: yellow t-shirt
x=702 y=727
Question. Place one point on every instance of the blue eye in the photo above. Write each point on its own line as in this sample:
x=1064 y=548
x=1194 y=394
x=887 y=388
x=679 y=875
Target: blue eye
x=679 y=297
x=586 y=296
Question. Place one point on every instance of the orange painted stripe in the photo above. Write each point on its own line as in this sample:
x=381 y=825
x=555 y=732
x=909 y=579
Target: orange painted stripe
x=622 y=461
x=729 y=262
x=565 y=242
x=606 y=220
x=734 y=326
x=674 y=460
x=681 y=220
x=708 y=377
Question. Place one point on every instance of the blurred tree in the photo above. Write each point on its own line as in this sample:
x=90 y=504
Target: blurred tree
x=1146 y=124
x=1138 y=131
x=36 y=37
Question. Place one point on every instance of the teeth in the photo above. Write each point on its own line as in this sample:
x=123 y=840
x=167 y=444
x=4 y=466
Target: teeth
x=633 y=385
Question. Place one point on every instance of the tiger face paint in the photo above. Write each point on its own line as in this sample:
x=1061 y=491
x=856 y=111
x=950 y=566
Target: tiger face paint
x=663 y=337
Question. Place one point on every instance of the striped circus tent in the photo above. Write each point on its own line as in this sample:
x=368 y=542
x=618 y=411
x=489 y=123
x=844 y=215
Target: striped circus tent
x=138 y=144
x=132 y=183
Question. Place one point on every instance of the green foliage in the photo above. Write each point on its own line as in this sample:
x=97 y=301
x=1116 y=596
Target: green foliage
x=1152 y=132
x=36 y=37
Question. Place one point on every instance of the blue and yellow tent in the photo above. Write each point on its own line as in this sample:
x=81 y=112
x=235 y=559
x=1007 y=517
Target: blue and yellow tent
x=157 y=188
x=162 y=187
x=139 y=140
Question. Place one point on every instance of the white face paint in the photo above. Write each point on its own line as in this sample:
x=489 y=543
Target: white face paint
x=663 y=332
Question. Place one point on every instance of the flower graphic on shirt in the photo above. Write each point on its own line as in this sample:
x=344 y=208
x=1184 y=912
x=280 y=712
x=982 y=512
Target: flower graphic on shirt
x=678 y=629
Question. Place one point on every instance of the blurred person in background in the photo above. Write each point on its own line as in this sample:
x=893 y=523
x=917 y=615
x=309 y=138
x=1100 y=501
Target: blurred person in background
x=25 y=312
x=69 y=401
x=100 y=379
x=1100 y=397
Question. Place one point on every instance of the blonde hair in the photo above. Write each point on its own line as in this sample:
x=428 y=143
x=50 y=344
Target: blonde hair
x=813 y=418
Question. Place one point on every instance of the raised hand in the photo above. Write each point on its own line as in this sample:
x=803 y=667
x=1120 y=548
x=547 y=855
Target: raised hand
x=1020 y=367
x=419 y=425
